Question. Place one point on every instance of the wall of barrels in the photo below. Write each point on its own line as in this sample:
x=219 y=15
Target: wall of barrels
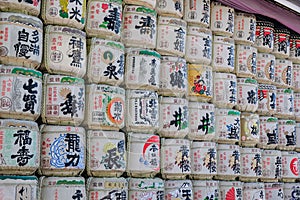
x=147 y=100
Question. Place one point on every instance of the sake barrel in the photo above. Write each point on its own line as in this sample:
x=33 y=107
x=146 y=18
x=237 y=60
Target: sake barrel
x=250 y=126
x=281 y=47
x=19 y=147
x=297 y=106
x=178 y=189
x=245 y=61
x=222 y=19
x=69 y=13
x=264 y=36
x=286 y=134
x=228 y=126
x=62 y=150
x=205 y=189
x=106 y=153
x=27 y=7
x=141 y=188
x=266 y=99
x=170 y=8
x=175 y=158
x=106 y=62
x=297 y=138
x=251 y=164
x=272 y=165
x=139 y=27
x=142 y=111
x=268 y=132
x=274 y=191
x=290 y=168
x=198 y=45
x=247 y=94
x=104 y=19
x=65 y=51
x=64 y=100
x=231 y=189
x=254 y=191
x=202 y=121
x=291 y=190
x=173 y=117
x=62 y=188
x=200 y=83
x=223 y=54
x=143 y=155
x=21 y=93
x=19 y=187
x=171 y=36
x=21 y=40
x=229 y=162
x=106 y=107
x=101 y=188
x=283 y=73
x=173 y=76
x=203 y=160
x=197 y=12
x=244 y=28
x=296 y=77
x=265 y=68
x=295 y=48
x=285 y=103
x=224 y=90
x=142 y=68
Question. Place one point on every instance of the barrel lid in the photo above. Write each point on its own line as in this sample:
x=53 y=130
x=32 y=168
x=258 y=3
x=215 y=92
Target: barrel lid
x=34 y=178
x=268 y=119
x=109 y=1
x=17 y=124
x=198 y=30
x=140 y=9
x=146 y=94
x=198 y=144
x=146 y=184
x=172 y=59
x=247 y=80
x=109 y=43
x=142 y=137
x=107 y=183
x=223 y=39
x=266 y=87
x=173 y=100
x=57 y=129
x=200 y=105
x=19 y=18
x=7 y=69
x=63 y=181
x=103 y=134
x=176 y=184
x=65 y=30
x=224 y=111
x=172 y=21
x=140 y=51
x=63 y=79
x=105 y=89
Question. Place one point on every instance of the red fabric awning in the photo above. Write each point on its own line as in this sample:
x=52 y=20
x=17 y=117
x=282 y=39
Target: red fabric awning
x=268 y=9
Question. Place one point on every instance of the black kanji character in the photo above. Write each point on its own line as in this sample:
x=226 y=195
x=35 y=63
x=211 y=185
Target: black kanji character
x=22 y=156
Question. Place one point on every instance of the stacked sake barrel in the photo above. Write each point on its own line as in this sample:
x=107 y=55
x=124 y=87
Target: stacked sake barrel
x=55 y=98
x=21 y=44
x=146 y=99
x=63 y=141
